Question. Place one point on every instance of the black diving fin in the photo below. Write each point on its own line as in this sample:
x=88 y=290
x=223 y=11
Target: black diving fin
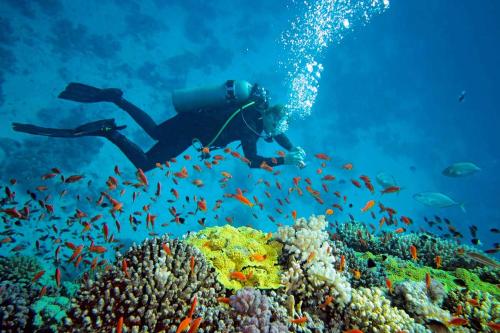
x=83 y=93
x=95 y=128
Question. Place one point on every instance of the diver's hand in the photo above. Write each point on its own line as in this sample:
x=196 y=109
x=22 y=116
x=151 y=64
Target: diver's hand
x=296 y=157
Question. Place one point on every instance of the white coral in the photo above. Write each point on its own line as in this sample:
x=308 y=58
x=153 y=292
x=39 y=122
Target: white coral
x=307 y=243
x=372 y=312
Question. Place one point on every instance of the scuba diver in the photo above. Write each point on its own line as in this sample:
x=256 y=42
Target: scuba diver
x=207 y=118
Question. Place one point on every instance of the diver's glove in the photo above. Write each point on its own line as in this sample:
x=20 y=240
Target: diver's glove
x=296 y=157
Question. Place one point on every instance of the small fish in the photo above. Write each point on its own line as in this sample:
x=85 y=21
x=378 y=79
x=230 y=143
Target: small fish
x=458 y=322
x=428 y=281
x=322 y=156
x=437 y=261
x=184 y=325
x=368 y=205
x=347 y=166
x=195 y=325
x=58 y=277
x=388 y=283
x=300 y=320
x=119 y=325
x=413 y=252
x=461 y=97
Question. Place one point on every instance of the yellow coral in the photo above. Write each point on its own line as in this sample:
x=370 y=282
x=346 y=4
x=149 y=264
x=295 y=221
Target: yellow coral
x=244 y=250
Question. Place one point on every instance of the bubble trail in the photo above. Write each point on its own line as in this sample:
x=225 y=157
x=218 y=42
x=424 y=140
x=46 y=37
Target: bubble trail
x=323 y=23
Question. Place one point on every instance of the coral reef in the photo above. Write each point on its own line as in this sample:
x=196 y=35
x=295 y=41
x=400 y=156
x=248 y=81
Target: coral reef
x=420 y=304
x=370 y=311
x=254 y=312
x=15 y=312
x=244 y=250
x=152 y=287
x=428 y=246
x=310 y=263
x=479 y=315
x=50 y=311
x=18 y=269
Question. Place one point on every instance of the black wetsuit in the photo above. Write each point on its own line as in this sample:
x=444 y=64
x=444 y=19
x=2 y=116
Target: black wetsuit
x=176 y=134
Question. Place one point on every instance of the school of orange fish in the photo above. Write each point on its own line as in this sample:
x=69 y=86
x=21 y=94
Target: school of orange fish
x=68 y=239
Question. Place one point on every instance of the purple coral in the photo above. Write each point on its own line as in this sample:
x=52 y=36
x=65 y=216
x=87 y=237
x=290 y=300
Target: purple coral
x=254 y=312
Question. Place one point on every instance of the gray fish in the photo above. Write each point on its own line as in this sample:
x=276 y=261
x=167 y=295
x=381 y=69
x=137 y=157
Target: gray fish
x=437 y=200
x=461 y=169
x=385 y=180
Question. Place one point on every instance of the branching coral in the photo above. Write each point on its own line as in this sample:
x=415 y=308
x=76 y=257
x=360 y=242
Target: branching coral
x=153 y=291
x=370 y=311
x=254 y=312
x=310 y=262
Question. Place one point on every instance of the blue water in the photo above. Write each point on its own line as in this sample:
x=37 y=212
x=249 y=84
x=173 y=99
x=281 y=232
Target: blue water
x=387 y=102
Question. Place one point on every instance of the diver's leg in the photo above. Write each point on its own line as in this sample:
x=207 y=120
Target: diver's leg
x=142 y=118
x=133 y=152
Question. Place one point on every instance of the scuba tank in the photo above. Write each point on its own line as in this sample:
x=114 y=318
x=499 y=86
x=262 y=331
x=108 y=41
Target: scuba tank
x=231 y=93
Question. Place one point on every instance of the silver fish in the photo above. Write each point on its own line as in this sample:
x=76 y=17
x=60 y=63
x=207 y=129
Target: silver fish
x=461 y=169
x=385 y=180
x=437 y=200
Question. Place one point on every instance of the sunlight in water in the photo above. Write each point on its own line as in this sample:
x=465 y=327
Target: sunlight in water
x=323 y=23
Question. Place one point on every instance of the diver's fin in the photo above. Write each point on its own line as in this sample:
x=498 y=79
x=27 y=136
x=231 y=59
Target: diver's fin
x=95 y=128
x=38 y=130
x=83 y=93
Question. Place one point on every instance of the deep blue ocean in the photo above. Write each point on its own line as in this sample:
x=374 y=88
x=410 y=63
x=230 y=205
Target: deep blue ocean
x=406 y=91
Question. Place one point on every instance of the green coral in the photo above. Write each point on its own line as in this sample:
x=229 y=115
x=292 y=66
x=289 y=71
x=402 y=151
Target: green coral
x=244 y=250
x=399 y=270
x=50 y=311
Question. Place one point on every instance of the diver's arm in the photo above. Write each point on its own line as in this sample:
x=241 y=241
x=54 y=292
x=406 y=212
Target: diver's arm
x=250 y=151
x=283 y=141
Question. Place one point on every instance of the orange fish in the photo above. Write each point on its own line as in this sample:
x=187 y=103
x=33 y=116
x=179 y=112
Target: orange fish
x=391 y=189
x=388 y=283
x=458 y=322
x=98 y=249
x=399 y=230
x=37 y=276
x=141 y=177
x=223 y=300
x=494 y=326
x=191 y=264
x=166 y=248
x=202 y=205
x=243 y=200
x=473 y=302
x=125 y=268
x=327 y=301
x=258 y=257
x=342 y=263
x=413 y=252
x=322 y=157
x=329 y=211
x=347 y=166
x=119 y=325
x=300 y=320
x=184 y=325
x=428 y=281
x=238 y=276
x=357 y=274
x=195 y=325
x=193 y=307
x=437 y=260
x=266 y=166
x=43 y=291
x=311 y=257
x=368 y=206
x=353 y=331
x=58 y=277
x=294 y=215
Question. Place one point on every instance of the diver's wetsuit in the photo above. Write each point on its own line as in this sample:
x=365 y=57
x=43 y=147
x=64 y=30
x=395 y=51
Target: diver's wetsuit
x=177 y=133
